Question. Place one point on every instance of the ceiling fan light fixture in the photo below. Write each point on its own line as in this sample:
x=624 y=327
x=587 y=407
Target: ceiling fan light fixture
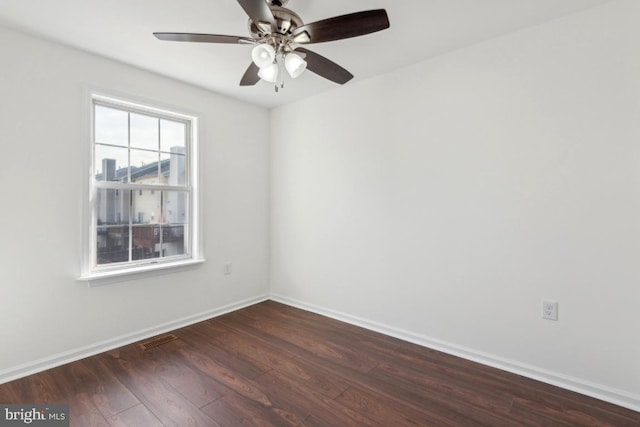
x=295 y=65
x=263 y=55
x=270 y=73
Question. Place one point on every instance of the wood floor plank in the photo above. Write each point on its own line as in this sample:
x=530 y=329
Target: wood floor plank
x=162 y=362
x=323 y=381
x=221 y=337
x=166 y=403
x=295 y=397
x=450 y=387
x=330 y=367
x=314 y=340
x=106 y=392
x=44 y=387
x=138 y=416
x=236 y=410
x=233 y=380
x=6 y=395
x=83 y=413
x=393 y=412
x=198 y=337
x=199 y=389
x=483 y=409
x=275 y=365
x=309 y=342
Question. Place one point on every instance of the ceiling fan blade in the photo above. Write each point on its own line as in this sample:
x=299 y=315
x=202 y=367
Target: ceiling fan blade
x=324 y=67
x=202 y=38
x=342 y=27
x=258 y=11
x=250 y=76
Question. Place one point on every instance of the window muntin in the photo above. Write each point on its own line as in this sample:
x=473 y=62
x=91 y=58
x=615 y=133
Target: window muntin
x=142 y=192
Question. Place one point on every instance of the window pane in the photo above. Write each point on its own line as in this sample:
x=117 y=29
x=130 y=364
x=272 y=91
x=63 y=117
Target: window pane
x=111 y=126
x=111 y=163
x=112 y=206
x=172 y=134
x=173 y=241
x=113 y=244
x=175 y=207
x=173 y=167
x=147 y=206
x=146 y=242
x=144 y=132
x=144 y=167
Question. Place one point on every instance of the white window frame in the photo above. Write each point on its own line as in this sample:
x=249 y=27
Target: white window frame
x=90 y=270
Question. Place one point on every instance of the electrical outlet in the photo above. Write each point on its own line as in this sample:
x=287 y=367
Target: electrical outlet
x=550 y=310
x=227 y=268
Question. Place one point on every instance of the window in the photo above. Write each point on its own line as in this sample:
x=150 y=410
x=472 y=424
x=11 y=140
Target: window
x=142 y=190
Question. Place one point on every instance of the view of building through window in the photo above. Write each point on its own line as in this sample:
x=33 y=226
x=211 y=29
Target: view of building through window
x=141 y=185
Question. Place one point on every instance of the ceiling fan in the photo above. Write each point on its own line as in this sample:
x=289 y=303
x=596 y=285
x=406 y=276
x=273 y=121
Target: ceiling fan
x=277 y=33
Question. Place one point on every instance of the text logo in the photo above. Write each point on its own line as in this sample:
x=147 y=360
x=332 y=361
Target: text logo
x=34 y=415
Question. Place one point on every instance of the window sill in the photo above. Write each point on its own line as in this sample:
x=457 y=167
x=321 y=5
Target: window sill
x=138 y=272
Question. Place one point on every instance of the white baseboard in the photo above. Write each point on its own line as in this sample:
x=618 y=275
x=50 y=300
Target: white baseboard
x=102 y=346
x=598 y=391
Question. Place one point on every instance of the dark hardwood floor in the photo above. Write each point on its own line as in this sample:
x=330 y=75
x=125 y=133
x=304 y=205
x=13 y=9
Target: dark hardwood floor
x=274 y=365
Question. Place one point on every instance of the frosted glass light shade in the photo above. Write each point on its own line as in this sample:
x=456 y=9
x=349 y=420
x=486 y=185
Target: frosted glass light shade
x=269 y=74
x=295 y=65
x=263 y=55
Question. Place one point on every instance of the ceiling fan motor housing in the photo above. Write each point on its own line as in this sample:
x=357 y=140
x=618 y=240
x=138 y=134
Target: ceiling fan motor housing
x=286 y=22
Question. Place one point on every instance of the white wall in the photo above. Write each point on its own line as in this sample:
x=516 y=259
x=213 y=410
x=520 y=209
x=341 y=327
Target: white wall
x=45 y=313
x=444 y=201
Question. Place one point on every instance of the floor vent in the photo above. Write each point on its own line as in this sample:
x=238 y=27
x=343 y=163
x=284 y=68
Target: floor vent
x=158 y=341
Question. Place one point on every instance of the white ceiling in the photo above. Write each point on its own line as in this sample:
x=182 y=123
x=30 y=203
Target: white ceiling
x=420 y=29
